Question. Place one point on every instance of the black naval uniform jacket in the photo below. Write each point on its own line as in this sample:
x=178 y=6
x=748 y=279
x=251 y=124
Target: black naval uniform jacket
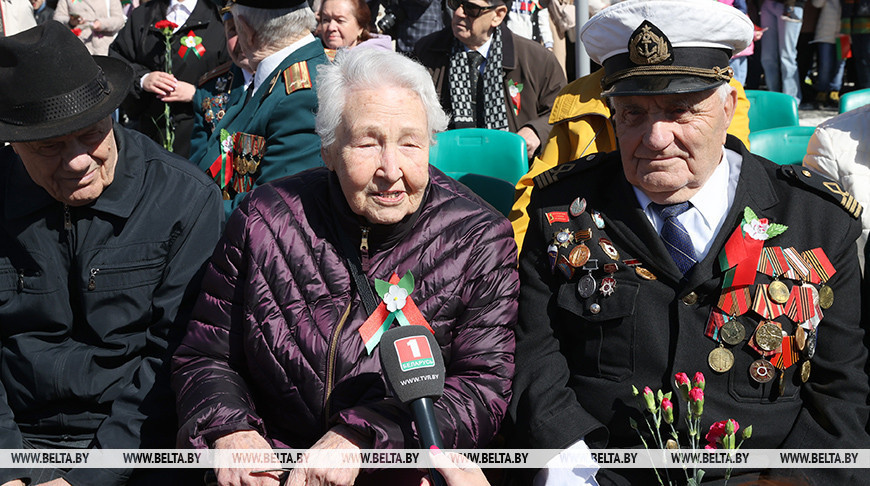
x=142 y=45
x=575 y=368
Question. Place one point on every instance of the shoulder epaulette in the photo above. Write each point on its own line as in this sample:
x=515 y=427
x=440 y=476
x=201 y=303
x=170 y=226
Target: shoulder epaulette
x=296 y=77
x=824 y=186
x=567 y=169
x=222 y=69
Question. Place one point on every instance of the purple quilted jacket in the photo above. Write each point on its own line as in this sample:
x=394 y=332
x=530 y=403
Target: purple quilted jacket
x=273 y=345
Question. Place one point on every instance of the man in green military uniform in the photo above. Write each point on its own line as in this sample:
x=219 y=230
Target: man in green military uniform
x=219 y=88
x=269 y=134
x=680 y=253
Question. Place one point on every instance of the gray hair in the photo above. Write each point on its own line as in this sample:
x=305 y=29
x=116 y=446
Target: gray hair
x=273 y=26
x=367 y=68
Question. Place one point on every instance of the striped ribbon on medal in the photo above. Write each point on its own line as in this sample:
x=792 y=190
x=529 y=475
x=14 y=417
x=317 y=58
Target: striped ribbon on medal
x=818 y=260
x=788 y=354
x=799 y=306
x=735 y=302
x=799 y=269
x=714 y=323
x=773 y=262
x=765 y=307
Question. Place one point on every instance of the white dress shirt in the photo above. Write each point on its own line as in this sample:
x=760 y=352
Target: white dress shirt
x=179 y=11
x=710 y=205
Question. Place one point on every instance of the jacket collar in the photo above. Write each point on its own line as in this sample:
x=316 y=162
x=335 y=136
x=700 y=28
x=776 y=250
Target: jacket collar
x=445 y=41
x=381 y=236
x=24 y=196
x=629 y=224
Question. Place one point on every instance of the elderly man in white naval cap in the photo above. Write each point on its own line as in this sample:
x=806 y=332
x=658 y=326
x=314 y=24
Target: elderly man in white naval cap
x=682 y=252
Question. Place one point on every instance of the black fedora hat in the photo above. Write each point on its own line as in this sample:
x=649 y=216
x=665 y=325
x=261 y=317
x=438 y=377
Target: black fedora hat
x=50 y=85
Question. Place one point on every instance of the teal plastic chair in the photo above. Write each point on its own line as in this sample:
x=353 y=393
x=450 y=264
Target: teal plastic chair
x=784 y=145
x=497 y=192
x=493 y=153
x=854 y=99
x=769 y=109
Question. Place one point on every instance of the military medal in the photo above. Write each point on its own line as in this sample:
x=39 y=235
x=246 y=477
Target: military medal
x=579 y=255
x=221 y=83
x=778 y=292
x=768 y=336
x=578 y=206
x=774 y=263
x=720 y=359
x=826 y=297
x=733 y=332
x=800 y=338
x=563 y=237
x=608 y=284
x=821 y=271
x=761 y=370
x=764 y=306
x=597 y=219
x=582 y=235
x=805 y=371
x=811 y=343
x=552 y=255
x=587 y=285
x=565 y=267
x=608 y=248
x=644 y=273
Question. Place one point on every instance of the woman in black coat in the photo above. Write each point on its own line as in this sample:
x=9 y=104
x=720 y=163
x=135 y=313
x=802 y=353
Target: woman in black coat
x=142 y=45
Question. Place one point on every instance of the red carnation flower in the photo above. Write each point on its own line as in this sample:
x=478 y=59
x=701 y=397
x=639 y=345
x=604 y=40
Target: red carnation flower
x=165 y=24
x=77 y=32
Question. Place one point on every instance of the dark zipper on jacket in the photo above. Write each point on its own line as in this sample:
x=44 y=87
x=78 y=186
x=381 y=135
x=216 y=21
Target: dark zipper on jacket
x=364 y=247
x=330 y=363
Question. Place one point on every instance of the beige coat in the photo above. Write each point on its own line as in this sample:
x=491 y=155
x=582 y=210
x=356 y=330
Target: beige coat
x=108 y=12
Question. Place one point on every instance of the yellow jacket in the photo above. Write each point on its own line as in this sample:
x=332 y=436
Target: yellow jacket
x=581 y=125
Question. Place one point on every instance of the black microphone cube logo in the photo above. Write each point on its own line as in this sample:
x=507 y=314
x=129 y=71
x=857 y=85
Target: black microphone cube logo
x=414 y=353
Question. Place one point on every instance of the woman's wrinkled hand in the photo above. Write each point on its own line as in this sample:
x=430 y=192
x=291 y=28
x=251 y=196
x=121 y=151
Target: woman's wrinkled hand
x=245 y=439
x=340 y=437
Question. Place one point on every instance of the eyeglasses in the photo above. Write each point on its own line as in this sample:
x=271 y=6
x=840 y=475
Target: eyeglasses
x=470 y=9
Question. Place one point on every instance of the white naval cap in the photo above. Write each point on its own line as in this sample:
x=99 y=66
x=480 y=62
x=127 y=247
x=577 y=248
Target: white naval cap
x=652 y=47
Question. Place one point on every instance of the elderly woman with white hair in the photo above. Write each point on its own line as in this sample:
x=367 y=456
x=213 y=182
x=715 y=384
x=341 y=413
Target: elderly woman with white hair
x=282 y=350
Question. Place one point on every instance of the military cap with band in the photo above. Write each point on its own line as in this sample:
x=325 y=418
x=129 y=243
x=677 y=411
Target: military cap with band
x=650 y=47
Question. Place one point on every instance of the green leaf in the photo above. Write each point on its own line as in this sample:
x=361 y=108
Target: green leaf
x=633 y=423
x=381 y=287
x=749 y=214
x=668 y=395
x=407 y=282
x=700 y=475
x=776 y=229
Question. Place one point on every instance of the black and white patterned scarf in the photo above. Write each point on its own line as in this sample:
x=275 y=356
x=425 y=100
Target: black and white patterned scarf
x=461 y=76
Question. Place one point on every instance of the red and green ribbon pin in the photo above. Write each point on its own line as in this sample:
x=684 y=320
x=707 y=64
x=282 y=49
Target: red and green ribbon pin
x=396 y=304
x=191 y=42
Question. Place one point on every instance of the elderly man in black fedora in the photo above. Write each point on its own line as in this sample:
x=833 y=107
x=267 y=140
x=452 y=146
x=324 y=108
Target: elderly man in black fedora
x=102 y=236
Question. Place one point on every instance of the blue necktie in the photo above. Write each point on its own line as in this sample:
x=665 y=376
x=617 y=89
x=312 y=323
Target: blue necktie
x=675 y=236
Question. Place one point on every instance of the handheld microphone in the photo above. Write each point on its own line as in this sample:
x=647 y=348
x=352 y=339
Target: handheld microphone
x=414 y=367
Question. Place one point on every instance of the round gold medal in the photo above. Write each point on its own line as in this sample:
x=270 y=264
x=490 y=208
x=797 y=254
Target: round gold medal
x=733 y=332
x=761 y=370
x=800 y=337
x=768 y=336
x=644 y=273
x=805 y=371
x=826 y=297
x=720 y=360
x=579 y=256
x=778 y=292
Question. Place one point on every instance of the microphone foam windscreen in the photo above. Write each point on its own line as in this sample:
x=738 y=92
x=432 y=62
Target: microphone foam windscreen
x=412 y=363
